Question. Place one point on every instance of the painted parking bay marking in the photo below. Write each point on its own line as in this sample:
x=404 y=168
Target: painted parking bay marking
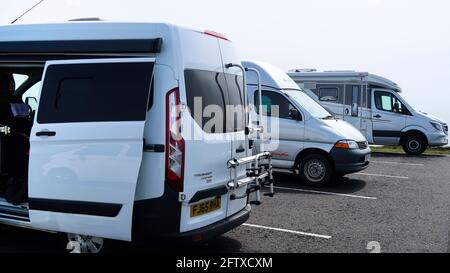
x=382 y=175
x=327 y=193
x=397 y=163
x=289 y=231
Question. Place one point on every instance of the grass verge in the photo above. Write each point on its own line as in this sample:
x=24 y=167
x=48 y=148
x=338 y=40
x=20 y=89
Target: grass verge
x=398 y=149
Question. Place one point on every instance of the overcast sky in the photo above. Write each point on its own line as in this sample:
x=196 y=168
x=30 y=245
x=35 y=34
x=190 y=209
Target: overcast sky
x=407 y=41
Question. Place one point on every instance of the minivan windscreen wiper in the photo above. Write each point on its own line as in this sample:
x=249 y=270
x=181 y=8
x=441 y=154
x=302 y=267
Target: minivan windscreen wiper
x=329 y=117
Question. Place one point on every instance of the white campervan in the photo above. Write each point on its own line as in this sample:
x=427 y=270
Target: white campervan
x=303 y=136
x=373 y=105
x=99 y=137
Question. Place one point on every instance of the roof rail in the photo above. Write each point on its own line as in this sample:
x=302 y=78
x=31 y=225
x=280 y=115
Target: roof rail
x=87 y=19
x=340 y=71
x=302 y=70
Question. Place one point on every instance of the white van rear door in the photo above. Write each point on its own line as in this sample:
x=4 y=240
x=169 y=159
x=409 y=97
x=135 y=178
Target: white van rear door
x=235 y=123
x=87 y=145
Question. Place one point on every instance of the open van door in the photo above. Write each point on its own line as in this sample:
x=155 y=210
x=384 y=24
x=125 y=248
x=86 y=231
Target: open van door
x=87 y=145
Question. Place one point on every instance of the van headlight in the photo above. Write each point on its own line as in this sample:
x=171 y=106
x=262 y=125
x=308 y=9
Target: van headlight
x=437 y=126
x=346 y=144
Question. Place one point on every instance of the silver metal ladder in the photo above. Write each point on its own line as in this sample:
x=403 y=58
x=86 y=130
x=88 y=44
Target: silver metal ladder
x=259 y=167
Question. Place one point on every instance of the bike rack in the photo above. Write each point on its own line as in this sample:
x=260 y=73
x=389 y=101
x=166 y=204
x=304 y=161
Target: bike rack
x=259 y=175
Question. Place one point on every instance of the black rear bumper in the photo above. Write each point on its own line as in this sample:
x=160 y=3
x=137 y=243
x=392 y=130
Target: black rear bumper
x=350 y=161
x=214 y=230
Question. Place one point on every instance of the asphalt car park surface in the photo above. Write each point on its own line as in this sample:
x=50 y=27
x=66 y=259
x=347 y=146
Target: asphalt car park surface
x=399 y=204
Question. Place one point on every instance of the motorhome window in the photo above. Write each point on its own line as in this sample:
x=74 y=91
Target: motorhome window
x=352 y=94
x=235 y=117
x=328 y=93
x=96 y=92
x=364 y=97
x=271 y=99
x=209 y=88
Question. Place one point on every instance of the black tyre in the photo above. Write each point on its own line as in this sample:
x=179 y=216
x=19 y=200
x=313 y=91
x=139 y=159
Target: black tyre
x=414 y=144
x=315 y=170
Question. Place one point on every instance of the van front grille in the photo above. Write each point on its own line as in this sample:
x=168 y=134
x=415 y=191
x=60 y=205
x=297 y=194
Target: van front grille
x=363 y=145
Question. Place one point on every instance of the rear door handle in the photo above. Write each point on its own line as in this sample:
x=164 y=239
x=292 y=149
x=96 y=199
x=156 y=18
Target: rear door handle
x=377 y=116
x=46 y=133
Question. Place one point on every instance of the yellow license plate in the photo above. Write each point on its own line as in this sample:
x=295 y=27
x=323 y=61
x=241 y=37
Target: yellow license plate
x=206 y=207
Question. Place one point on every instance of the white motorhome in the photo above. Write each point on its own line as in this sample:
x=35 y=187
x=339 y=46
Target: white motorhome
x=373 y=104
x=98 y=141
x=304 y=137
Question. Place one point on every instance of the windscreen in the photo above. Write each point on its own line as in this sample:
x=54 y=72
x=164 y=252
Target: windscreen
x=308 y=104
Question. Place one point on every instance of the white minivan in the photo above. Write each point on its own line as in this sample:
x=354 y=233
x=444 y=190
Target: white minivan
x=303 y=136
x=102 y=136
x=373 y=104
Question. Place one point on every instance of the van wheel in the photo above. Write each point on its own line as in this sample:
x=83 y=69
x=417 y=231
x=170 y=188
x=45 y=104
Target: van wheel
x=85 y=244
x=315 y=170
x=414 y=144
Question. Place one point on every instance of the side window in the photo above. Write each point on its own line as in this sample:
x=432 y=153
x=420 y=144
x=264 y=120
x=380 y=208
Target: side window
x=352 y=94
x=235 y=109
x=388 y=102
x=364 y=98
x=271 y=99
x=398 y=106
x=208 y=88
x=19 y=79
x=383 y=101
x=328 y=94
x=95 y=92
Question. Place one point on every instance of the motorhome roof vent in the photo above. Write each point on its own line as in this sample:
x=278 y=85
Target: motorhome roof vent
x=303 y=70
x=88 y=19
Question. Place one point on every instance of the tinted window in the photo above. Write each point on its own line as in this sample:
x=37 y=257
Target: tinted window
x=101 y=92
x=209 y=87
x=235 y=115
x=271 y=99
x=352 y=94
x=364 y=97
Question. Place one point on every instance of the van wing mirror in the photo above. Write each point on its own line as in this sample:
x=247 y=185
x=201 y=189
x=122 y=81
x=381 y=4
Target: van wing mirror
x=295 y=114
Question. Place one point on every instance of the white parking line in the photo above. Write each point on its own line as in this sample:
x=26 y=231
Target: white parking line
x=381 y=175
x=327 y=193
x=396 y=163
x=289 y=231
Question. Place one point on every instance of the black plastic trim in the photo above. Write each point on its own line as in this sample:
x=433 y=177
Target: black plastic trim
x=379 y=133
x=213 y=192
x=75 y=207
x=82 y=46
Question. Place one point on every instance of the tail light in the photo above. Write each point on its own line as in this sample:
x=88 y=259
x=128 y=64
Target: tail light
x=174 y=142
